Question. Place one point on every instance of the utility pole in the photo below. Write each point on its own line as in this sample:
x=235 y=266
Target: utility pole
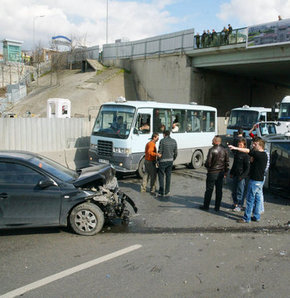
x=107 y=21
x=33 y=28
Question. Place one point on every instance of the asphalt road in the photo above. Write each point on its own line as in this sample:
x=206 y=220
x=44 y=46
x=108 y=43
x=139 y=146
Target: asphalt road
x=181 y=251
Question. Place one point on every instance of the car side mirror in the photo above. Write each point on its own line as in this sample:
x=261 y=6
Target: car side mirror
x=135 y=131
x=46 y=182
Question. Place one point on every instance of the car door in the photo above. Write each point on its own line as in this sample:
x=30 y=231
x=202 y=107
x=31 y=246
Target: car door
x=22 y=201
x=280 y=167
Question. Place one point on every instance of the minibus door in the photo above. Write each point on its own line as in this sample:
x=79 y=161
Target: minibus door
x=142 y=131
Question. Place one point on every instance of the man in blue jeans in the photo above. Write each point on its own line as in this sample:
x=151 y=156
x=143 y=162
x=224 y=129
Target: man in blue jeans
x=239 y=173
x=168 y=151
x=255 y=187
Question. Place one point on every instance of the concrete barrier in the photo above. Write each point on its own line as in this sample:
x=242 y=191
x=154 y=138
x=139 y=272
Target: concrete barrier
x=73 y=159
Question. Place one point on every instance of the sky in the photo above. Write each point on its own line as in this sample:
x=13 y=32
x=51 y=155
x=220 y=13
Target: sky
x=84 y=21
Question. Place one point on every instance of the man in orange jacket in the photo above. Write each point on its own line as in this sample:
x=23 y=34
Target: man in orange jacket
x=151 y=155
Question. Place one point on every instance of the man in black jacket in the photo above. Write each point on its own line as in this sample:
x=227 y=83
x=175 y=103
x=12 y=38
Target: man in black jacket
x=168 y=151
x=217 y=164
x=239 y=173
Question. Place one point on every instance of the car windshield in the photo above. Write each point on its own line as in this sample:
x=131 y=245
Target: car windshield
x=243 y=119
x=284 y=111
x=267 y=128
x=114 y=121
x=54 y=168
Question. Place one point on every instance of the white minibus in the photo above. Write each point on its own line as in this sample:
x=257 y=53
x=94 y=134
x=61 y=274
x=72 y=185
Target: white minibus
x=245 y=117
x=123 y=128
x=284 y=115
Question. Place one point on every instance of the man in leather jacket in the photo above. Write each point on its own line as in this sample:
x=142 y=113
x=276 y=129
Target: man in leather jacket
x=217 y=164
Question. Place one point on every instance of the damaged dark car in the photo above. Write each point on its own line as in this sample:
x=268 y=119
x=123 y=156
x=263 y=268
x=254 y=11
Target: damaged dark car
x=38 y=192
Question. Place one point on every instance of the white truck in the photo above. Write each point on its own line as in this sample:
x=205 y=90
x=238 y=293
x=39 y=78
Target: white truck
x=284 y=115
x=245 y=117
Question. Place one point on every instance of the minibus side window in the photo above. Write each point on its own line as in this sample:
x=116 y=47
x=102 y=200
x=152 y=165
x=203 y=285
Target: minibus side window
x=143 y=123
x=161 y=120
x=178 y=121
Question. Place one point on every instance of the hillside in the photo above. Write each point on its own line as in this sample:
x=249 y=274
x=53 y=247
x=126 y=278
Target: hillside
x=84 y=90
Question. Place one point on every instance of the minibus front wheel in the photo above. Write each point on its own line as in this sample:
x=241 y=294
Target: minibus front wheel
x=141 y=168
x=196 y=160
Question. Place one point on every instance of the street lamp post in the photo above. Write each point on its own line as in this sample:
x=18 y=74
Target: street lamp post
x=107 y=21
x=33 y=29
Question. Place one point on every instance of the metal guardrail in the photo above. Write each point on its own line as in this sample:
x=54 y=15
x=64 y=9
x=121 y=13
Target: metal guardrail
x=181 y=41
x=81 y=54
x=218 y=39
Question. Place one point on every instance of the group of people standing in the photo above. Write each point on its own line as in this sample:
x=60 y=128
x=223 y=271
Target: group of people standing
x=249 y=168
x=209 y=39
x=250 y=165
x=163 y=160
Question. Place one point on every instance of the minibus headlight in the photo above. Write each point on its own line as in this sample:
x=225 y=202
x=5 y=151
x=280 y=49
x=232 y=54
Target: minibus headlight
x=122 y=150
x=94 y=146
x=127 y=150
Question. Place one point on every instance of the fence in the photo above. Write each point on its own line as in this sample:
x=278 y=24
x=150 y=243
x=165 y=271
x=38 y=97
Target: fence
x=79 y=55
x=181 y=41
x=14 y=93
x=63 y=140
x=43 y=134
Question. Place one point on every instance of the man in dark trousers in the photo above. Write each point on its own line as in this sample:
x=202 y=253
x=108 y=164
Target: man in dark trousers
x=217 y=164
x=255 y=186
x=150 y=164
x=168 y=151
x=203 y=39
x=197 y=40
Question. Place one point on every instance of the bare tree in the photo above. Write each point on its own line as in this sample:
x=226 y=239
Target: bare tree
x=77 y=52
x=37 y=59
x=64 y=58
x=58 y=63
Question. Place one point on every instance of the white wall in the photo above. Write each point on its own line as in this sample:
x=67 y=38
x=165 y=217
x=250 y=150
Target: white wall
x=64 y=140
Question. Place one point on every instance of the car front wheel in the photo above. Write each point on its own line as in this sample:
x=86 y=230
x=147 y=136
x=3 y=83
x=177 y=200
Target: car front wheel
x=86 y=219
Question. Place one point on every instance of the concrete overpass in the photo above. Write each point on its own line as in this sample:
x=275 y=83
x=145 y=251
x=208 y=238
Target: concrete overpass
x=223 y=76
x=255 y=76
x=269 y=64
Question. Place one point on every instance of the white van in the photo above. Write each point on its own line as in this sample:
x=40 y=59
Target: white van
x=123 y=128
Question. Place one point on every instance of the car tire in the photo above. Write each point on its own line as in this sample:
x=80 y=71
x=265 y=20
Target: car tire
x=86 y=219
x=141 y=168
x=196 y=160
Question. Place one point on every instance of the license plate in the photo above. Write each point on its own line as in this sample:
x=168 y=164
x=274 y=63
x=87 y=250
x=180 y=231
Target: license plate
x=103 y=161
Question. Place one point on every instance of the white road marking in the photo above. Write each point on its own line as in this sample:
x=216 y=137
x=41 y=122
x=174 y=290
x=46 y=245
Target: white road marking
x=62 y=274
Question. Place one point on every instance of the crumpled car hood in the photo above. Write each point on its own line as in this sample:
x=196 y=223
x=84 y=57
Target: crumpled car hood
x=102 y=173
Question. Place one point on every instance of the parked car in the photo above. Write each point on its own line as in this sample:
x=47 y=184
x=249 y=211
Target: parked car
x=278 y=178
x=36 y=191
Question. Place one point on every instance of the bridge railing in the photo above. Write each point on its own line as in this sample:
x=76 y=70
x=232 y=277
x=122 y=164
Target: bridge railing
x=177 y=42
x=218 y=39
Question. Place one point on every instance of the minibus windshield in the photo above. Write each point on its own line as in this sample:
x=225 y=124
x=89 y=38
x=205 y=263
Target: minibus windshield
x=242 y=119
x=114 y=121
x=284 y=111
